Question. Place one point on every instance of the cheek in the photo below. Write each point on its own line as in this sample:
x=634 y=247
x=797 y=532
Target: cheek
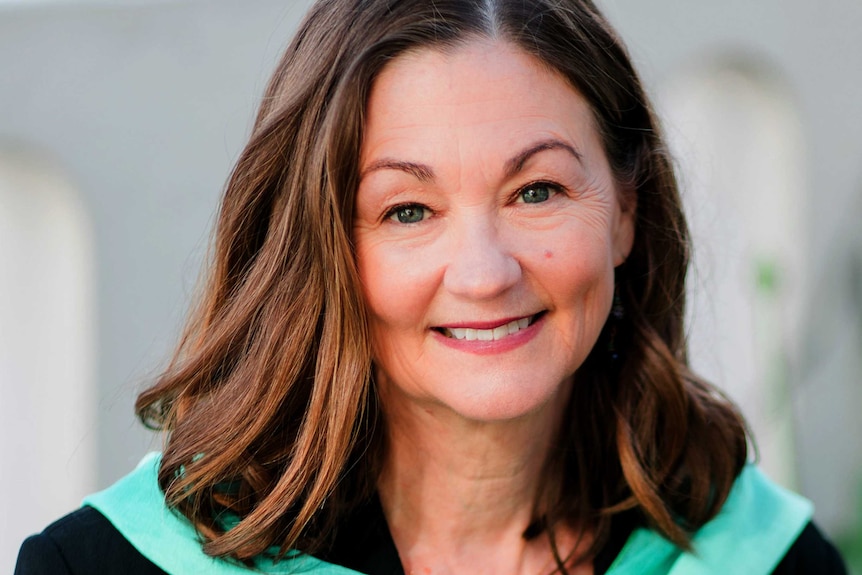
x=394 y=284
x=579 y=281
x=576 y=257
x=577 y=271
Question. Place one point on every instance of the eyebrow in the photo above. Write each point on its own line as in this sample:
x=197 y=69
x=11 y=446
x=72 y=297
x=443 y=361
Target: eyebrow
x=515 y=164
x=421 y=172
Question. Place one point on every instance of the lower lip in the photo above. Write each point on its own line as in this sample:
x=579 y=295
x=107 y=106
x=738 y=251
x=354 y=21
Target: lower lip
x=508 y=343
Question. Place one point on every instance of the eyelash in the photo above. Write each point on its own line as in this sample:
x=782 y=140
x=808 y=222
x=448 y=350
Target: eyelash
x=554 y=188
x=391 y=213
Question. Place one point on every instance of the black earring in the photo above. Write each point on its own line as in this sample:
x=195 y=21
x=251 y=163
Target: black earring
x=616 y=315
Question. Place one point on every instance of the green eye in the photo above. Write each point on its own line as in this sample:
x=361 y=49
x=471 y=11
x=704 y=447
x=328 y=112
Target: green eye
x=409 y=214
x=535 y=193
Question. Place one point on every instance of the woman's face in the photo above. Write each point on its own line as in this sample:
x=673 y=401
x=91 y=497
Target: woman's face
x=487 y=229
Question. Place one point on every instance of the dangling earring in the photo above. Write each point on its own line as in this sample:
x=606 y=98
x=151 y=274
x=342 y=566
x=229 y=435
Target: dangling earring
x=617 y=314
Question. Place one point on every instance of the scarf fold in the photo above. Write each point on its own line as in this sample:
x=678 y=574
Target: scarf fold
x=753 y=531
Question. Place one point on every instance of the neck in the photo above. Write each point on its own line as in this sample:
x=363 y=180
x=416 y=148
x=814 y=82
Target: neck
x=458 y=494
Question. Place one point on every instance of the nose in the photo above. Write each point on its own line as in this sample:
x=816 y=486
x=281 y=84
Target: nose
x=481 y=264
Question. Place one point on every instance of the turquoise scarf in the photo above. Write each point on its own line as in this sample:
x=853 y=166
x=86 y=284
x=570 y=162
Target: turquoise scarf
x=756 y=526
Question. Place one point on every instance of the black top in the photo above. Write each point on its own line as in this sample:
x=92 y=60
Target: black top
x=85 y=542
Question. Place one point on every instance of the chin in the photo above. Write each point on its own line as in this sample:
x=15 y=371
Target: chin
x=510 y=402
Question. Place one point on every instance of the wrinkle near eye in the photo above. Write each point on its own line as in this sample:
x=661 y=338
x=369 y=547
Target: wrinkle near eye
x=488 y=121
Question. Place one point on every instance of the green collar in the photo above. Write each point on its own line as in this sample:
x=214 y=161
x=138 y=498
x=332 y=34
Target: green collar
x=753 y=531
x=135 y=505
x=756 y=526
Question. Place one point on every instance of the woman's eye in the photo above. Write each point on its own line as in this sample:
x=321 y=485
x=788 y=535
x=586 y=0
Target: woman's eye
x=536 y=193
x=408 y=214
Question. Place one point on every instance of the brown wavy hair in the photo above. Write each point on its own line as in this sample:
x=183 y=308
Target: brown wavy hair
x=269 y=405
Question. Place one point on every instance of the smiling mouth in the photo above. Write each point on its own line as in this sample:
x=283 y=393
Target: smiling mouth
x=499 y=332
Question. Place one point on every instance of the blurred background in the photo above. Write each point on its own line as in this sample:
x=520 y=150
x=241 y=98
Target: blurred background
x=119 y=123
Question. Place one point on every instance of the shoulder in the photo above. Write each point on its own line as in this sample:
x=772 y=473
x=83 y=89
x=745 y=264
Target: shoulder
x=135 y=511
x=761 y=529
x=781 y=521
x=764 y=528
x=811 y=554
x=82 y=542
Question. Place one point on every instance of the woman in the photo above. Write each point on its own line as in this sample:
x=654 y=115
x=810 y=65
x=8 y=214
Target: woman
x=443 y=329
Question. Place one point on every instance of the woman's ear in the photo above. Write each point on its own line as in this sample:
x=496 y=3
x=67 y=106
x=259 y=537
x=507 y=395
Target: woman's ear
x=624 y=224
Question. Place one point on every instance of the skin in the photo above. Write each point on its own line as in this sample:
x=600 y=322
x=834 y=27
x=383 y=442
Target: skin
x=485 y=197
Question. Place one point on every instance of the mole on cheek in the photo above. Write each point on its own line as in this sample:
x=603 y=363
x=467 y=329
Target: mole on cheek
x=548 y=254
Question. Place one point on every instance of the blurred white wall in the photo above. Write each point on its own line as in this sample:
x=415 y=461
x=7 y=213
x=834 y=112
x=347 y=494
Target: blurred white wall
x=812 y=54
x=143 y=107
x=737 y=137
x=47 y=347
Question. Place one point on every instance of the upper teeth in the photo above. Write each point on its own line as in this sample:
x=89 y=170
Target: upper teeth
x=500 y=332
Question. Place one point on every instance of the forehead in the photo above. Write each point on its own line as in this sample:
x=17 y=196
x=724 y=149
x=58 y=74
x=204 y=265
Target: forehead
x=486 y=89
